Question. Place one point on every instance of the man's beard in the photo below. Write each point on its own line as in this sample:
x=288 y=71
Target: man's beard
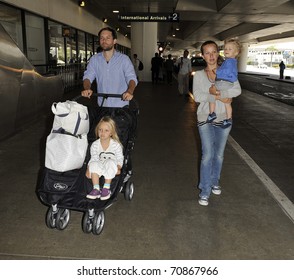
x=109 y=48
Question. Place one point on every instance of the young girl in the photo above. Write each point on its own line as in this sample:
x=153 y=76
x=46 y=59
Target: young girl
x=226 y=75
x=106 y=158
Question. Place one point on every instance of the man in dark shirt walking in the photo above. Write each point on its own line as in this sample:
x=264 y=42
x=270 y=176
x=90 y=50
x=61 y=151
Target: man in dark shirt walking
x=156 y=64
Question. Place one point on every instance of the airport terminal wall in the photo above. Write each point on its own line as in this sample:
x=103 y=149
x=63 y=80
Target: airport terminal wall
x=24 y=93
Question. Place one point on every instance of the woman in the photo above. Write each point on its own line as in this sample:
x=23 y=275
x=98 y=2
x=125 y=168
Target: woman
x=213 y=136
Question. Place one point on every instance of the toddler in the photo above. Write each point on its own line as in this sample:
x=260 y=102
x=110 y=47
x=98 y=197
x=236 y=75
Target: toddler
x=106 y=158
x=226 y=75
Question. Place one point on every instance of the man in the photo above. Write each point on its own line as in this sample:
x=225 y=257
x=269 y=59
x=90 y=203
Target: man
x=184 y=73
x=282 y=68
x=156 y=64
x=113 y=71
x=169 y=67
x=136 y=64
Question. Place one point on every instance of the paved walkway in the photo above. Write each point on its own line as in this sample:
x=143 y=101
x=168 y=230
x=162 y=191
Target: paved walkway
x=164 y=220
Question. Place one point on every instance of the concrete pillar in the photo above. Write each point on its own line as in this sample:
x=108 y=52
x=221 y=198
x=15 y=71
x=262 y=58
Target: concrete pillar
x=242 y=61
x=144 y=44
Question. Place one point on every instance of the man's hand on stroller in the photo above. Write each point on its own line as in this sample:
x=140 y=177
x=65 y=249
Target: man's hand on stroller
x=127 y=96
x=87 y=93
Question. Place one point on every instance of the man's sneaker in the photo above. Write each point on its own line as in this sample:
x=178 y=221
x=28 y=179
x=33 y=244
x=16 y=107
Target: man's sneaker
x=216 y=190
x=203 y=201
x=105 y=194
x=211 y=117
x=226 y=123
x=95 y=193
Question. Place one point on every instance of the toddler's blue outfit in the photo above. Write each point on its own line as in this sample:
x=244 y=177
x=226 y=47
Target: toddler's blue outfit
x=226 y=75
x=228 y=71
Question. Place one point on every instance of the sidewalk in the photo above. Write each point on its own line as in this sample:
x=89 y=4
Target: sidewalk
x=164 y=219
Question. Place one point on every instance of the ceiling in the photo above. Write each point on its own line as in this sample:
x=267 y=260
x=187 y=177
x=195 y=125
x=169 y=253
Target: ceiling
x=252 y=21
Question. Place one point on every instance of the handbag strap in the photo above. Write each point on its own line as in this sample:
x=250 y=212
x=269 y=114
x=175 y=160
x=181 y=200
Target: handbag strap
x=63 y=131
x=63 y=115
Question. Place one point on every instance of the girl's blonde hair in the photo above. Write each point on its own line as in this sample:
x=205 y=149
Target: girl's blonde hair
x=112 y=126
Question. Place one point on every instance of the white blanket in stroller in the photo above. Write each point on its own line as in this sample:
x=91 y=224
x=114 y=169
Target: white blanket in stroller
x=66 y=145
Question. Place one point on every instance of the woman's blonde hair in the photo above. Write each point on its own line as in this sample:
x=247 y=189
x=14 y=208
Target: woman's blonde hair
x=112 y=126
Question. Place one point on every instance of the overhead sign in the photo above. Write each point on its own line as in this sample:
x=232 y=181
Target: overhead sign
x=150 y=17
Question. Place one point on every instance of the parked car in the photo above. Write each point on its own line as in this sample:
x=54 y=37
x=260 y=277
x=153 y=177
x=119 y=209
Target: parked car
x=262 y=66
x=198 y=61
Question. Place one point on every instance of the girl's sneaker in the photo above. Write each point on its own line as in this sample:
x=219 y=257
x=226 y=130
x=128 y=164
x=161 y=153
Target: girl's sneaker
x=105 y=194
x=95 y=193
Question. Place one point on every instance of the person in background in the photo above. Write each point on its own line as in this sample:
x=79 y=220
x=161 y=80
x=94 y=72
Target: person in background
x=114 y=72
x=184 y=73
x=282 y=68
x=213 y=137
x=106 y=158
x=226 y=75
x=156 y=64
x=169 y=67
x=136 y=62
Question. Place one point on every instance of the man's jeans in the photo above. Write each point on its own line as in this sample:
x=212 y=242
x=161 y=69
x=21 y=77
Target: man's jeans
x=213 y=141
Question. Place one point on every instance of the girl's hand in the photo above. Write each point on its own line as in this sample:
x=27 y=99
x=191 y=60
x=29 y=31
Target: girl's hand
x=118 y=170
x=88 y=173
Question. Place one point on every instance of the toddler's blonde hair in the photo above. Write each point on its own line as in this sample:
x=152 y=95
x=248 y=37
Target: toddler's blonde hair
x=236 y=42
x=112 y=126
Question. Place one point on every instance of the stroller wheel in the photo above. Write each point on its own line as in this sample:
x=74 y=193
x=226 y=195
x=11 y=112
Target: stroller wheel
x=87 y=223
x=51 y=218
x=98 y=223
x=129 y=191
x=62 y=218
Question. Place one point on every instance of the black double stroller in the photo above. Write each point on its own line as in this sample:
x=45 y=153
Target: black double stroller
x=66 y=191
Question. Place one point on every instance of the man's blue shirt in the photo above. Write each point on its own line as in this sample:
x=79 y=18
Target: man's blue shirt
x=111 y=77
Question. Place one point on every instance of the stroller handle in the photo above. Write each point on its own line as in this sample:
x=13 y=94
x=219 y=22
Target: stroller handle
x=104 y=95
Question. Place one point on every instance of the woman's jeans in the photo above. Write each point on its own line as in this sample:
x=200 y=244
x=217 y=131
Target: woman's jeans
x=213 y=141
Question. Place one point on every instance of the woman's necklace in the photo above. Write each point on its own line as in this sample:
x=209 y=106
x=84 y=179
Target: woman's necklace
x=211 y=74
